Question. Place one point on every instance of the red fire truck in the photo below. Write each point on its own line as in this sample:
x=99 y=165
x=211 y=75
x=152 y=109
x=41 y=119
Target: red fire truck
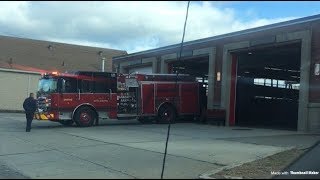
x=84 y=97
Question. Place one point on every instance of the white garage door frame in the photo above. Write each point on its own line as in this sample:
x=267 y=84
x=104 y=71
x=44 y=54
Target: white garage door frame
x=305 y=38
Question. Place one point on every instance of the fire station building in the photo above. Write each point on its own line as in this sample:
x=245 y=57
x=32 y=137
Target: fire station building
x=261 y=77
x=23 y=60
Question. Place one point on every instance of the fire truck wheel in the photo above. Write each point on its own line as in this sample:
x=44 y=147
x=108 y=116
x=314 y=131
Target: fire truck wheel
x=66 y=123
x=85 y=117
x=166 y=114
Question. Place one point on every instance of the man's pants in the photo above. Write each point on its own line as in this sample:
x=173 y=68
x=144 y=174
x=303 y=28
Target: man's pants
x=29 y=117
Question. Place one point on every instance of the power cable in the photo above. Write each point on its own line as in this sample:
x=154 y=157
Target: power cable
x=177 y=73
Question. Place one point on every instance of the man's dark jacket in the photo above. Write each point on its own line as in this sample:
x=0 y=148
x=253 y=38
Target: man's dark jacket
x=30 y=105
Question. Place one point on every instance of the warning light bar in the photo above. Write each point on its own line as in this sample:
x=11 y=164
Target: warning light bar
x=55 y=73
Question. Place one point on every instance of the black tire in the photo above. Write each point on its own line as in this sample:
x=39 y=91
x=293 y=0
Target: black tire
x=85 y=117
x=166 y=114
x=67 y=123
x=144 y=120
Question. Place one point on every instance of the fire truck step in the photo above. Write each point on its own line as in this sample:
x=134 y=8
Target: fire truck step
x=127 y=116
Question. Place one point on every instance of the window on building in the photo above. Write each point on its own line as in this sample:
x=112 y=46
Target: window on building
x=295 y=86
x=276 y=83
x=268 y=82
x=281 y=84
x=259 y=81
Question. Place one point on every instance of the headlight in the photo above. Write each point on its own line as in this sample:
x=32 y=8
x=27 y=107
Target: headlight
x=48 y=102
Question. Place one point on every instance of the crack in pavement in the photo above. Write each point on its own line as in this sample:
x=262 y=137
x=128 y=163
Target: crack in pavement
x=23 y=153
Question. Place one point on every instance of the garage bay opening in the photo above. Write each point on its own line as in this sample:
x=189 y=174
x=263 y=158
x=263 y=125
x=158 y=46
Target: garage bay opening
x=267 y=86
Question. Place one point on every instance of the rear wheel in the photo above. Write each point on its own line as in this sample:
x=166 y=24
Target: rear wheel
x=85 y=117
x=66 y=123
x=166 y=114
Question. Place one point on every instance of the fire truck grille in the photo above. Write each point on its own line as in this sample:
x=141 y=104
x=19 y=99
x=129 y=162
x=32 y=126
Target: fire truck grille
x=41 y=104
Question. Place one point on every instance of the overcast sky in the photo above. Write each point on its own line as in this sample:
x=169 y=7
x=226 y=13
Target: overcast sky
x=138 y=26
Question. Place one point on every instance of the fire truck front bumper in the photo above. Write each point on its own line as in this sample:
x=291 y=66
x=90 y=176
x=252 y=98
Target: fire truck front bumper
x=44 y=116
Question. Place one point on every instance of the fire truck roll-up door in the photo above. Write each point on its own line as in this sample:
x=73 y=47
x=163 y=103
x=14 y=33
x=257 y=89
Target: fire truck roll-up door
x=189 y=98
x=148 y=99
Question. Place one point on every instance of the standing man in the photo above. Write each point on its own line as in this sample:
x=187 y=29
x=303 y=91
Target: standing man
x=29 y=106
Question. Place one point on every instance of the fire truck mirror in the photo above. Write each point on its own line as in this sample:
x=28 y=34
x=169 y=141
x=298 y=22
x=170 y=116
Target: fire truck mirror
x=62 y=85
x=110 y=95
x=59 y=85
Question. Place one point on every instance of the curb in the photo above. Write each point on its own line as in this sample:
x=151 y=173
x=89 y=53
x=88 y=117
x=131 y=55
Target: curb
x=207 y=174
x=298 y=158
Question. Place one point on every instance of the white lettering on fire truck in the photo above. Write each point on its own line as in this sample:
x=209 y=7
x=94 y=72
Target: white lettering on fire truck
x=100 y=100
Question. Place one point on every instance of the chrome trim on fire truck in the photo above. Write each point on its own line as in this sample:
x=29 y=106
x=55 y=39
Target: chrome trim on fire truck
x=179 y=98
x=141 y=98
x=103 y=114
x=154 y=98
x=145 y=115
x=65 y=115
x=110 y=94
x=127 y=115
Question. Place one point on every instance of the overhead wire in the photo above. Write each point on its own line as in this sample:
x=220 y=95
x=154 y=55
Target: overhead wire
x=176 y=84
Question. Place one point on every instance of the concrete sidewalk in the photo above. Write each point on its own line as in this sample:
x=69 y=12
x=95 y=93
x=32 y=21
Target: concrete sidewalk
x=308 y=163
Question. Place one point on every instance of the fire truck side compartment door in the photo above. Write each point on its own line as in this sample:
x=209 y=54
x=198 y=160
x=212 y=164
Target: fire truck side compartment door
x=189 y=100
x=147 y=98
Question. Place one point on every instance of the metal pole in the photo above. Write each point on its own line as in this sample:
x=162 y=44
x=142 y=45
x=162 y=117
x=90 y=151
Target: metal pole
x=29 y=81
x=103 y=60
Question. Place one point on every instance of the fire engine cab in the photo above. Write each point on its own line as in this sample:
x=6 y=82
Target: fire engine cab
x=84 y=97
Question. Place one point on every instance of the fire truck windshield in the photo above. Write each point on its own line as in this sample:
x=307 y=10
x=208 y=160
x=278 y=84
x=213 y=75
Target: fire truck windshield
x=47 y=85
